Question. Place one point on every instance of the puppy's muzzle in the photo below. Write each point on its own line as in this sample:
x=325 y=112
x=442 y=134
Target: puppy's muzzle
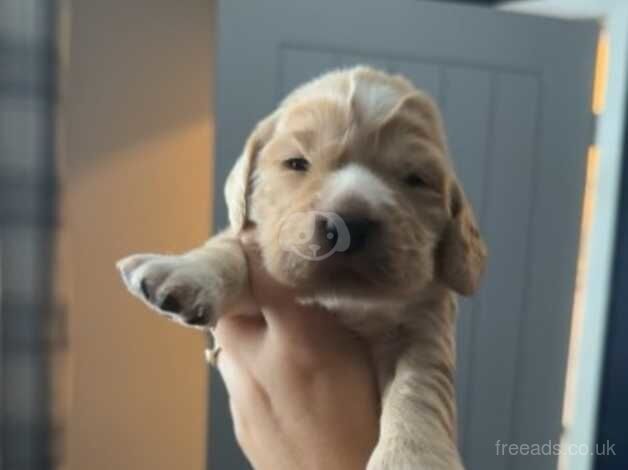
x=361 y=230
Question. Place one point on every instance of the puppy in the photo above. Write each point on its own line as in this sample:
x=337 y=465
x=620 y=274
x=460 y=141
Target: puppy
x=348 y=192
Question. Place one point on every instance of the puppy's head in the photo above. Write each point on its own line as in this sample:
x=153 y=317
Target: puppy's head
x=349 y=188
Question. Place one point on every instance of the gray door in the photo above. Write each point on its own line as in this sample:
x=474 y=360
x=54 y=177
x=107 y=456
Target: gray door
x=515 y=96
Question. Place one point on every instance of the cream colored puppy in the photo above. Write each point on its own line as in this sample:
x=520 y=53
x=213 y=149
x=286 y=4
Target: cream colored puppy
x=348 y=191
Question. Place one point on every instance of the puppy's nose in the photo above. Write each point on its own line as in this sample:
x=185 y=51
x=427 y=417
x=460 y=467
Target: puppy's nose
x=327 y=232
x=358 y=229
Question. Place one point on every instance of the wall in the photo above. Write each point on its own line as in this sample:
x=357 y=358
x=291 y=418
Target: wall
x=138 y=127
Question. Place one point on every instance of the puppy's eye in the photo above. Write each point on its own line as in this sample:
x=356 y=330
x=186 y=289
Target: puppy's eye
x=297 y=164
x=415 y=181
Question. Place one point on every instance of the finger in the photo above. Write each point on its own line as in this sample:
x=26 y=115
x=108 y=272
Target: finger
x=277 y=303
x=240 y=363
x=232 y=372
x=243 y=341
x=240 y=335
x=290 y=324
x=239 y=342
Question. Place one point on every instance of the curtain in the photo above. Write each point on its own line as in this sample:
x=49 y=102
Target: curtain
x=29 y=314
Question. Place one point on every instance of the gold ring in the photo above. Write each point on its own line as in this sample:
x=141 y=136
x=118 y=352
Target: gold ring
x=213 y=349
x=211 y=355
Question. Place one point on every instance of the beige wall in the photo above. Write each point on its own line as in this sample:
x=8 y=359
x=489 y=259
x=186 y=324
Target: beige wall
x=137 y=171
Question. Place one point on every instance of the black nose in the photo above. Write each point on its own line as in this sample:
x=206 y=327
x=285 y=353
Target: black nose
x=360 y=230
x=332 y=233
x=327 y=230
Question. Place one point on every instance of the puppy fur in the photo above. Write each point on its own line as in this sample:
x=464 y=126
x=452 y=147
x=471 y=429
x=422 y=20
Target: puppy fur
x=357 y=143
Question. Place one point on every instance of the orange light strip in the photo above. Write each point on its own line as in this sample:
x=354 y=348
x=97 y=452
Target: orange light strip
x=588 y=206
x=601 y=72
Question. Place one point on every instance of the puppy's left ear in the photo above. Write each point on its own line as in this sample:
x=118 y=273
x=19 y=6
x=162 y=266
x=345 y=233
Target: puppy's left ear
x=461 y=254
x=240 y=180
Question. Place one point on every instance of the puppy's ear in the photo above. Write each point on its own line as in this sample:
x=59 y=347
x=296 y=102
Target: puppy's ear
x=461 y=254
x=239 y=181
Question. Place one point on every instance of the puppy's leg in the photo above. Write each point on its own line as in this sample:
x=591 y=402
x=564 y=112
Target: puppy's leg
x=418 y=422
x=192 y=288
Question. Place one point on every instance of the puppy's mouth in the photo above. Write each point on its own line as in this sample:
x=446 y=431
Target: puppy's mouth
x=346 y=251
x=366 y=269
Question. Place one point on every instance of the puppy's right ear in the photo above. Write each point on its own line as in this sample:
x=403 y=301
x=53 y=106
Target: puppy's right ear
x=461 y=252
x=239 y=181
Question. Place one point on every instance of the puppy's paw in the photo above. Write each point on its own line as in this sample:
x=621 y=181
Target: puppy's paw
x=179 y=287
x=409 y=456
x=379 y=461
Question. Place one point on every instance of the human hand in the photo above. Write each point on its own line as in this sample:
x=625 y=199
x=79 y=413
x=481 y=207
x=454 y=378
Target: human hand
x=302 y=389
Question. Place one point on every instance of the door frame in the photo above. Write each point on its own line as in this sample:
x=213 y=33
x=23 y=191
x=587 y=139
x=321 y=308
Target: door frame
x=588 y=349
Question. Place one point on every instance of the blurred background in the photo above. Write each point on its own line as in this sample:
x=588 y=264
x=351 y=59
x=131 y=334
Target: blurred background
x=108 y=112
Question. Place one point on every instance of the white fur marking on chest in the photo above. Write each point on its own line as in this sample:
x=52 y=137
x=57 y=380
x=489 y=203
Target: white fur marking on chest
x=337 y=303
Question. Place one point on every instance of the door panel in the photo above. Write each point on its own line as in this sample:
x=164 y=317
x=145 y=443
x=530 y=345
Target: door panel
x=508 y=174
x=514 y=92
